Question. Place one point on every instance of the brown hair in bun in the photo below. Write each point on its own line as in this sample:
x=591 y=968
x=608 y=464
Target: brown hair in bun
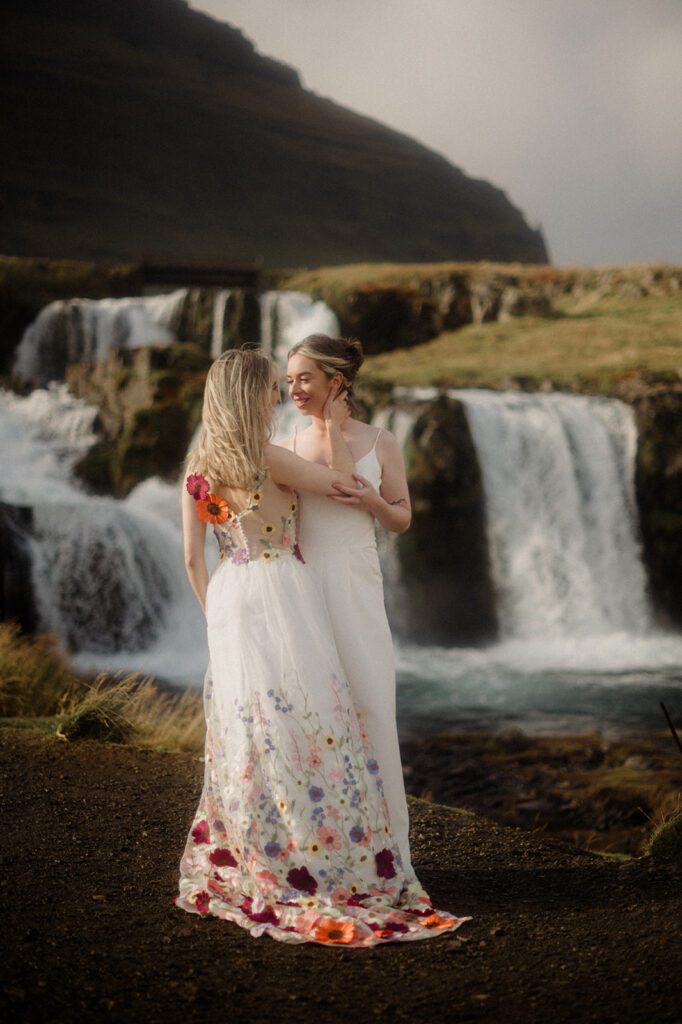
x=333 y=355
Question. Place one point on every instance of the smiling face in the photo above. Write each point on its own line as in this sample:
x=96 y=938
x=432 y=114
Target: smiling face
x=308 y=385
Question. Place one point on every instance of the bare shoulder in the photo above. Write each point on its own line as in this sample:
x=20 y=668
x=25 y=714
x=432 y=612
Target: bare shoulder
x=387 y=445
x=287 y=442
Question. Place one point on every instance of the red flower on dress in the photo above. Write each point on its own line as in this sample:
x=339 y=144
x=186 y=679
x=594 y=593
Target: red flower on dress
x=384 y=863
x=201 y=902
x=222 y=858
x=198 y=486
x=213 y=510
x=301 y=879
x=201 y=833
x=267 y=916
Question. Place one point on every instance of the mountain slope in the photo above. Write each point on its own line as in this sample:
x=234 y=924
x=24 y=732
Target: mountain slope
x=148 y=130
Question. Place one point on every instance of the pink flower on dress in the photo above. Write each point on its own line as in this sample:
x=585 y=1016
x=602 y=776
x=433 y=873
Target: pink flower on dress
x=333 y=812
x=313 y=759
x=336 y=775
x=292 y=845
x=367 y=837
x=198 y=486
x=269 y=882
x=340 y=894
x=329 y=837
x=201 y=902
x=248 y=771
x=200 y=832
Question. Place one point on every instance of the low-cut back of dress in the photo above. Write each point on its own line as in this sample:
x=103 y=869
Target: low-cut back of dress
x=292 y=835
x=339 y=542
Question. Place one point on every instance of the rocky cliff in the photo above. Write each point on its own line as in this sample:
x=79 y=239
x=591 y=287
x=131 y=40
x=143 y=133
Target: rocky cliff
x=148 y=130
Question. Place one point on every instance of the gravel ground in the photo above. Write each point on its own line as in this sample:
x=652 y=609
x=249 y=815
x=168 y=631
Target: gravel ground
x=91 y=844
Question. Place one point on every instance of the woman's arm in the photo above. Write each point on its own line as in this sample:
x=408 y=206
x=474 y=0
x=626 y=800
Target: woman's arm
x=291 y=470
x=194 y=536
x=391 y=505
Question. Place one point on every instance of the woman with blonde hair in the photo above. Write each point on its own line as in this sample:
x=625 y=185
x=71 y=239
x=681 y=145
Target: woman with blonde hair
x=292 y=835
x=340 y=544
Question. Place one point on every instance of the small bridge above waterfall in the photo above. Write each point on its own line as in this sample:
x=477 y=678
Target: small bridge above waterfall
x=202 y=275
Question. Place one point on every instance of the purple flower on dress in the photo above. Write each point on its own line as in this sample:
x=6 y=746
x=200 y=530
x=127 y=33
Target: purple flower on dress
x=357 y=833
x=384 y=863
x=372 y=766
x=273 y=849
x=240 y=556
x=302 y=880
x=315 y=793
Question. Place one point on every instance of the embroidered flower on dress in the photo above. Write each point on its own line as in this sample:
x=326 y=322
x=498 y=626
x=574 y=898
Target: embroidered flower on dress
x=200 y=832
x=201 y=901
x=384 y=863
x=222 y=857
x=267 y=529
x=329 y=837
x=335 y=931
x=436 y=921
x=197 y=486
x=315 y=793
x=213 y=510
x=357 y=833
x=301 y=879
x=372 y=766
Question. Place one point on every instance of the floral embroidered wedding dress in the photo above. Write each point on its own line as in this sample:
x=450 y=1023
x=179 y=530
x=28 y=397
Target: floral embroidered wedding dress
x=292 y=835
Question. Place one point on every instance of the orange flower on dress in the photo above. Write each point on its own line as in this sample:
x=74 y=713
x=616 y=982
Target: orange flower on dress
x=335 y=931
x=434 y=921
x=213 y=509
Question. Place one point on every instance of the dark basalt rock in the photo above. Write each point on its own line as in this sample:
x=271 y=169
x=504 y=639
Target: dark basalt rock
x=16 y=595
x=444 y=554
x=658 y=484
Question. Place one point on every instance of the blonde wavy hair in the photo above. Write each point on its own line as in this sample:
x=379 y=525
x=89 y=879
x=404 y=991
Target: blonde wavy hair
x=236 y=419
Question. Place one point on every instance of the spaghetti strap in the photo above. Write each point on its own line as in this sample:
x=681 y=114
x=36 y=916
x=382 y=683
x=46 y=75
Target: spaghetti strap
x=379 y=433
x=295 y=436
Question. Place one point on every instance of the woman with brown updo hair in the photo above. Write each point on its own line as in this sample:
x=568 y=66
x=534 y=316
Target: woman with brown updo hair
x=340 y=543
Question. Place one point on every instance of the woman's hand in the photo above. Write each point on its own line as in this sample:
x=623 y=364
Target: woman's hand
x=335 y=409
x=364 y=495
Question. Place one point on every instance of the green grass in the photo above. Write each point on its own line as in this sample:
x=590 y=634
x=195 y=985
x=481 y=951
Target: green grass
x=595 y=344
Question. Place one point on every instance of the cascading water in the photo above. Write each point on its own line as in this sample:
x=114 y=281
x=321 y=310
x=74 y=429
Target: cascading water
x=562 y=522
x=85 y=330
x=218 y=326
x=287 y=317
x=107 y=576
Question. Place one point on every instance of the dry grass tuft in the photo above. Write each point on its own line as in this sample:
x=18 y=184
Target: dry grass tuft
x=38 y=686
x=35 y=678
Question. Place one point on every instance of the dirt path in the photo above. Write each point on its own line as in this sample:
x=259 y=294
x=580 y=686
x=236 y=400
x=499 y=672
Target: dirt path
x=91 y=840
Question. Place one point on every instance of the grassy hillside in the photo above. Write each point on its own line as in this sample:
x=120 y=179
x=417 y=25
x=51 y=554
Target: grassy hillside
x=587 y=345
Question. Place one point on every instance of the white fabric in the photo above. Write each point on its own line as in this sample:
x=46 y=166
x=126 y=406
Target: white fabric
x=339 y=542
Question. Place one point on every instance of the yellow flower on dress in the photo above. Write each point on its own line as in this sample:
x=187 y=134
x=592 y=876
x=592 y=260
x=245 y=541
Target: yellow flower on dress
x=293 y=506
x=329 y=741
x=315 y=847
x=266 y=556
x=267 y=529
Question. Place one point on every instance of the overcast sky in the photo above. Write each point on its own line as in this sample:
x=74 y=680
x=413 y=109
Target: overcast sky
x=572 y=107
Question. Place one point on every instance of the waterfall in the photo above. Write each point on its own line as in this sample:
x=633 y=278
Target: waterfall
x=218 y=326
x=85 y=330
x=558 y=478
x=287 y=317
x=107 y=575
